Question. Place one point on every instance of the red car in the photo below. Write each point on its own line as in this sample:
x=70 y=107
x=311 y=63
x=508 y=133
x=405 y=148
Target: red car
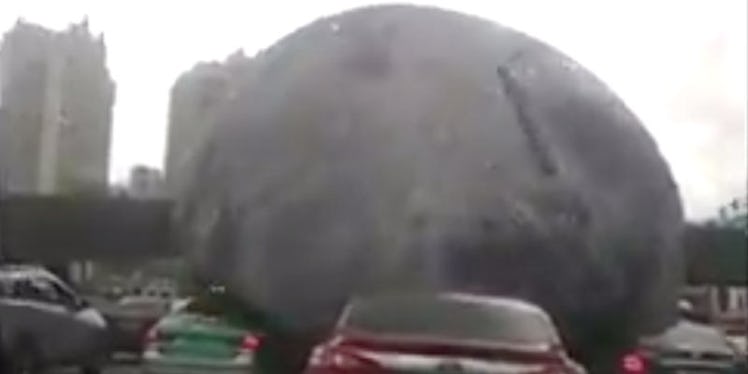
x=442 y=333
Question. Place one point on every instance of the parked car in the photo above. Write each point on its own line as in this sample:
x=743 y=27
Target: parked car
x=685 y=348
x=130 y=319
x=737 y=332
x=740 y=342
x=442 y=333
x=201 y=335
x=45 y=324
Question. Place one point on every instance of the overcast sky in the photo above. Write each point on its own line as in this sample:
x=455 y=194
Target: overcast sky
x=680 y=65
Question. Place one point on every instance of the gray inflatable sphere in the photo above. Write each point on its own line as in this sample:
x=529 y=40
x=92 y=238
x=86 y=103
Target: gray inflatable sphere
x=399 y=147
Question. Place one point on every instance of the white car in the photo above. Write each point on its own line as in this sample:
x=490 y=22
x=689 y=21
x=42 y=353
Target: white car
x=739 y=342
x=43 y=324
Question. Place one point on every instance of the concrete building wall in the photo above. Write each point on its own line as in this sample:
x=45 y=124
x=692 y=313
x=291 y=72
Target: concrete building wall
x=146 y=183
x=194 y=102
x=86 y=113
x=197 y=97
x=23 y=66
x=57 y=96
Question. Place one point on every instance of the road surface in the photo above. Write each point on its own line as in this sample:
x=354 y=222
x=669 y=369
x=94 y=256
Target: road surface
x=120 y=368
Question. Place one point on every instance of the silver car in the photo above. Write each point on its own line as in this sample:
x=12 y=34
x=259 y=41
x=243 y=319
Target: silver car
x=43 y=323
x=686 y=347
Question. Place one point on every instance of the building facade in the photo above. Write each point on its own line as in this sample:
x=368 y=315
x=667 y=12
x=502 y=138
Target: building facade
x=56 y=96
x=145 y=183
x=197 y=98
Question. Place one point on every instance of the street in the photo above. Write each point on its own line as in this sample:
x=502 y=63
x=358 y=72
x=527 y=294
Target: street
x=118 y=368
x=122 y=369
x=122 y=364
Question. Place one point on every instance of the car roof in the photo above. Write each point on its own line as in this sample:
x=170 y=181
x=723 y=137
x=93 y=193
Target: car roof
x=498 y=301
x=692 y=335
x=15 y=271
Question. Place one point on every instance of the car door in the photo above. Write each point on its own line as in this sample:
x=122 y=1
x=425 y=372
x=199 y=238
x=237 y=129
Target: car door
x=34 y=319
x=54 y=330
x=84 y=327
x=8 y=307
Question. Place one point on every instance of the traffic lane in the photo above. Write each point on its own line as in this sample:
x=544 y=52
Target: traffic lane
x=122 y=369
x=123 y=364
x=118 y=368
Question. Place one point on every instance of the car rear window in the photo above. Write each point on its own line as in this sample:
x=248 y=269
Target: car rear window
x=216 y=306
x=697 y=336
x=205 y=306
x=144 y=304
x=450 y=319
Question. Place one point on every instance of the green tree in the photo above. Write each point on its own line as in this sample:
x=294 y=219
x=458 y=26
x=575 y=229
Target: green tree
x=717 y=251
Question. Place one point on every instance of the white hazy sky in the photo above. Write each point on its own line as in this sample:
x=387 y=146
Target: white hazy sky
x=680 y=65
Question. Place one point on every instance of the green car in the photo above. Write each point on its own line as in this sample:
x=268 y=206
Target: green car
x=201 y=336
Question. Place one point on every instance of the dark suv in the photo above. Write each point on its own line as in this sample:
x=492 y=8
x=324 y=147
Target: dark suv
x=43 y=323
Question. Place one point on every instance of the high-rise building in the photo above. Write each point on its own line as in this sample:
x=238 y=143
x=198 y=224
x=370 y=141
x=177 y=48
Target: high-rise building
x=145 y=183
x=196 y=99
x=56 y=96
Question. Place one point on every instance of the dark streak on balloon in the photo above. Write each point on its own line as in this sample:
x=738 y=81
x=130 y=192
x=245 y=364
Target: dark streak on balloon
x=379 y=149
x=535 y=142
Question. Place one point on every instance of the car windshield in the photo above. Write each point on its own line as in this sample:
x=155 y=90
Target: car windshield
x=216 y=306
x=450 y=319
x=588 y=158
x=205 y=306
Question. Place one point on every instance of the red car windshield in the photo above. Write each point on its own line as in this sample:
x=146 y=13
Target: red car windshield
x=448 y=319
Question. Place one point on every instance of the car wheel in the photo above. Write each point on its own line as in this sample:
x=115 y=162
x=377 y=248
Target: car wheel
x=26 y=358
